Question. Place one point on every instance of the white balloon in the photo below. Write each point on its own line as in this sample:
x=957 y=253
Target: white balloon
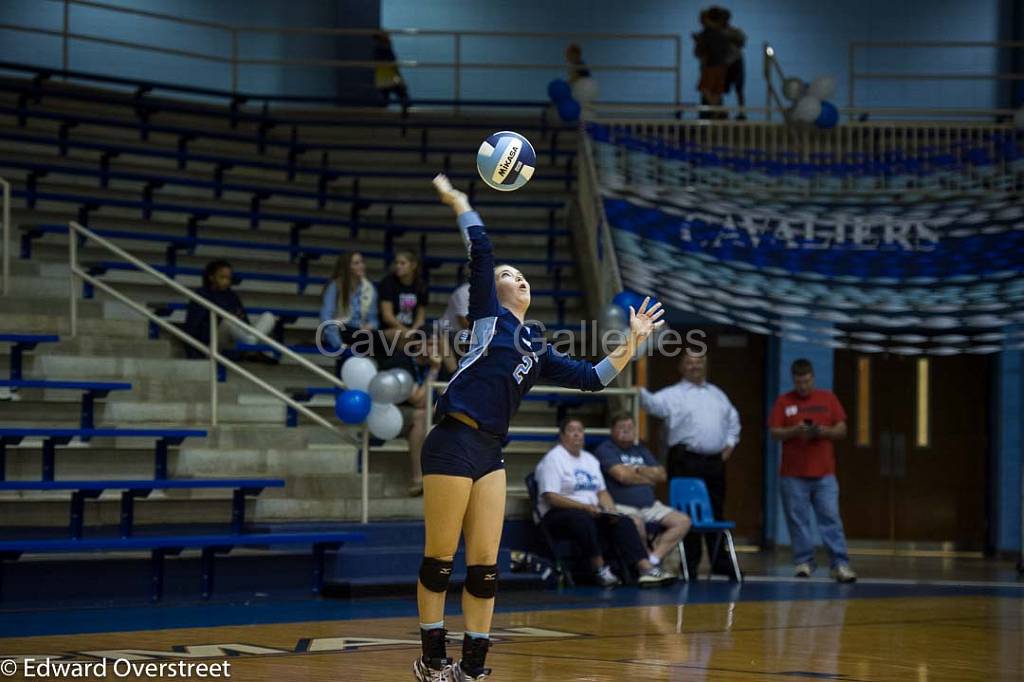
x=793 y=89
x=807 y=109
x=357 y=373
x=384 y=421
x=585 y=91
x=822 y=87
x=385 y=388
x=406 y=385
x=1018 y=118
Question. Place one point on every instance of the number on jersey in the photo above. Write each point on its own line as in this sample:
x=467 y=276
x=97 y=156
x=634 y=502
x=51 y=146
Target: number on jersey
x=522 y=369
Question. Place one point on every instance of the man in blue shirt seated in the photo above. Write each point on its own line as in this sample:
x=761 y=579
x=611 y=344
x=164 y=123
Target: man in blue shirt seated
x=631 y=472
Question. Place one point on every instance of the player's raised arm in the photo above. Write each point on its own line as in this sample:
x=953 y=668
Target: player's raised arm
x=566 y=371
x=483 y=298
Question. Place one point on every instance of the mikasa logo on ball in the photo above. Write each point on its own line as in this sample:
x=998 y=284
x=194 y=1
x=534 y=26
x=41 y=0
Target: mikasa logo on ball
x=507 y=163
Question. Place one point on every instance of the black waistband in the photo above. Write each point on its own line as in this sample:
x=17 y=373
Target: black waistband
x=686 y=451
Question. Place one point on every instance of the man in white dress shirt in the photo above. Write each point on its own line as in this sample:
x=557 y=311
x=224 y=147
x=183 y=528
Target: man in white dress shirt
x=703 y=429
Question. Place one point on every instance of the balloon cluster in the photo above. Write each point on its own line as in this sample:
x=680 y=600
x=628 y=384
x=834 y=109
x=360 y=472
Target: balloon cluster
x=810 y=102
x=372 y=397
x=571 y=100
x=615 y=316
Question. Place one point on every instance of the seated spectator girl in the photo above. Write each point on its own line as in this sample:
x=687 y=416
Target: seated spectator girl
x=216 y=288
x=349 y=299
x=403 y=297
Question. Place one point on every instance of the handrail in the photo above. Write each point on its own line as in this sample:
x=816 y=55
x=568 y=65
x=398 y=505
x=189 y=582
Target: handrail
x=212 y=350
x=234 y=33
x=6 y=236
x=826 y=154
x=609 y=277
x=853 y=75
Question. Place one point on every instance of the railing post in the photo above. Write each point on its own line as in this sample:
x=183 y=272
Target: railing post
x=7 y=236
x=849 y=75
x=430 y=406
x=679 y=70
x=458 y=69
x=364 y=456
x=65 y=30
x=72 y=275
x=234 y=61
x=214 y=356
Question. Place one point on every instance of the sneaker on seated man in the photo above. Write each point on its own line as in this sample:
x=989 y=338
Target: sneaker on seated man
x=631 y=472
x=576 y=506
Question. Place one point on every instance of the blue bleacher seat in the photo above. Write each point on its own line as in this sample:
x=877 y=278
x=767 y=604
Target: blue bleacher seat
x=62 y=436
x=690 y=496
x=160 y=546
x=21 y=343
x=91 y=390
x=298 y=221
x=152 y=181
x=133 y=489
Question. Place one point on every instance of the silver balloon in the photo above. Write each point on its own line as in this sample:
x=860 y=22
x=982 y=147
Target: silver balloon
x=613 y=318
x=384 y=421
x=385 y=388
x=794 y=89
x=807 y=109
x=406 y=384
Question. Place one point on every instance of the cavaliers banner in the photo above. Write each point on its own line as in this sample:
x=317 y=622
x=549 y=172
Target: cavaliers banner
x=902 y=272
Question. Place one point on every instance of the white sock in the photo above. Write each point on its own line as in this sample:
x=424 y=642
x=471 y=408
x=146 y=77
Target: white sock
x=655 y=561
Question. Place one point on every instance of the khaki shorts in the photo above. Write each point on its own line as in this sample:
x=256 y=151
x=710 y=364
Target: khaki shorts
x=653 y=514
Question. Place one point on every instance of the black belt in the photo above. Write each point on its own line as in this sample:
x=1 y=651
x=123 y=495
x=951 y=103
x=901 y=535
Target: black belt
x=687 y=451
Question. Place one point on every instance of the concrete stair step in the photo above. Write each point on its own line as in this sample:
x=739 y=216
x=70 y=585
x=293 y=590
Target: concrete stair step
x=301 y=463
x=322 y=486
x=191 y=413
x=230 y=436
x=95 y=345
x=155 y=509
x=99 y=367
x=270 y=509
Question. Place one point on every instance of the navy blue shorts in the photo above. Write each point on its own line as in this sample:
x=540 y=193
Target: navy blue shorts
x=455 y=449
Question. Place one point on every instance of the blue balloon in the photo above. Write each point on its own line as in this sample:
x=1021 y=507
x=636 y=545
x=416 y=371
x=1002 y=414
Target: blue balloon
x=559 y=90
x=828 y=117
x=352 y=407
x=627 y=298
x=569 y=110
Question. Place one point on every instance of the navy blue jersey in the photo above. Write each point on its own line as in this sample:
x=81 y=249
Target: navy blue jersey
x=506 y=358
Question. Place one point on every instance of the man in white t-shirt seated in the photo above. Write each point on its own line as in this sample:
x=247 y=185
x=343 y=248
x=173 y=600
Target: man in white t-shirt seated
x=576 y=506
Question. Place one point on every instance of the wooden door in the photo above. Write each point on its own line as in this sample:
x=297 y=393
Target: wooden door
x=919 y=470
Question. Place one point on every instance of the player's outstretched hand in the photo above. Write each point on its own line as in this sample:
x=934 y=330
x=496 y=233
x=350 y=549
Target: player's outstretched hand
x=449 y=195
x=645 y=320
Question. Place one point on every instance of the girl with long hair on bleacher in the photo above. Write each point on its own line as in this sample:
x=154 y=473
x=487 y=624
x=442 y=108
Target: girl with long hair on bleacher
x=464 y=474
x=349 y=298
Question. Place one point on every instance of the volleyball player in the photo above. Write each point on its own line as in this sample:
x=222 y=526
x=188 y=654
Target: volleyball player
x=463 y=469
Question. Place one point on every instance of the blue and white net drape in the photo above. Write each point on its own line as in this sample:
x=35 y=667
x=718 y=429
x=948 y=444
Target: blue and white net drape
x=926 y=270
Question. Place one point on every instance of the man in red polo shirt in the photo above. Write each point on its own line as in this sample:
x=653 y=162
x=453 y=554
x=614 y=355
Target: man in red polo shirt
x=807 y=420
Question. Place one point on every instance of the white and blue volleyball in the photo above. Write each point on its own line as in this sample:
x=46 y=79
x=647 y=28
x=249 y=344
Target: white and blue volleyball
x=506 y=161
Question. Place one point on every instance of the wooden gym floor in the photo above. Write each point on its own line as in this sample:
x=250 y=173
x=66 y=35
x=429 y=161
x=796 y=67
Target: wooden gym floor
x=770 y=628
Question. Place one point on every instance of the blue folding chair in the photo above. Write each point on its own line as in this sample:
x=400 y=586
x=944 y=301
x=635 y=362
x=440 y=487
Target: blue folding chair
x=690 y=496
